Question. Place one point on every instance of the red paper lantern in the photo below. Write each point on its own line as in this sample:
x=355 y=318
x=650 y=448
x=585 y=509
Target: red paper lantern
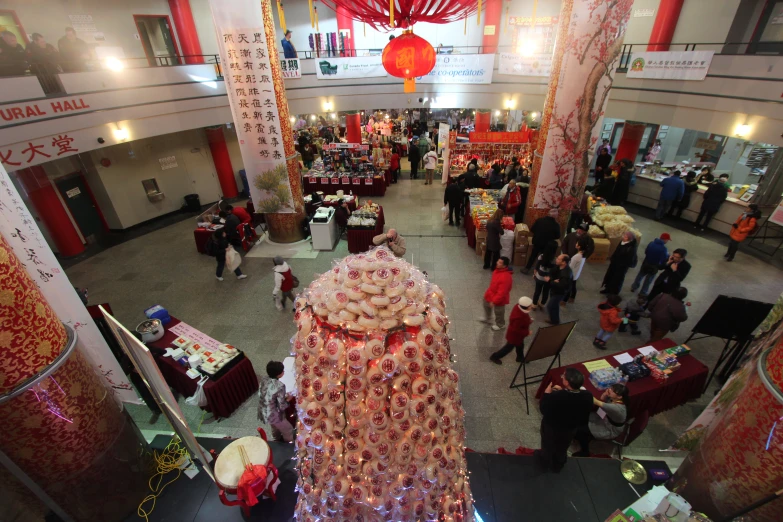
x=408 y=56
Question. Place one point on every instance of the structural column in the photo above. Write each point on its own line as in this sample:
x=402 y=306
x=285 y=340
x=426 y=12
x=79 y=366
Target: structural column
x=225 y=171
x=630 y=141
x=583 y=65
x=492 y=24
x=483 y=119
x=353 y=128
x=44 y=198
x=665 y=23
x=186 y=30
x=345 y=27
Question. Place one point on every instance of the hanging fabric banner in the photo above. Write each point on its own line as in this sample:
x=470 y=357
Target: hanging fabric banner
x=344 y=68
x=670 y=65
x=244 y=53
x=461 y=68
x=519 y=65
x=20 y=230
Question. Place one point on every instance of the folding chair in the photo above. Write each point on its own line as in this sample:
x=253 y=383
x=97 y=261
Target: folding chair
x=633 y=428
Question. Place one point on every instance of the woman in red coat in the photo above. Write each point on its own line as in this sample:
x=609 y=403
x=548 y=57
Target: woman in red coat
x=518 y=328
x=496 y=296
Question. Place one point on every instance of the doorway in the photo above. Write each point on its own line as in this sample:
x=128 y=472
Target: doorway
x=76 y=194
x=157 y=38
x=768 y=36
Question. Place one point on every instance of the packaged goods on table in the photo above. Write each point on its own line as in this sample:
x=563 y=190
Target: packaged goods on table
x=605 y=377
x=365 y=216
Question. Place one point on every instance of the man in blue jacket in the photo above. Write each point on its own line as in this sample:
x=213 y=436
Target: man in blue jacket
x=673 y=189
x=655 y=256
x=289 y=51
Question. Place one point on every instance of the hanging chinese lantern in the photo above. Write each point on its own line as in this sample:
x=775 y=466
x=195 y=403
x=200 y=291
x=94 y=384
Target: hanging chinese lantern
x=408 y=56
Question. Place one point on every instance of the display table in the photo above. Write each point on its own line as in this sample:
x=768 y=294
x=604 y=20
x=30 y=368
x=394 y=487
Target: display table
x=325 y=235
x=310 y=209
x=202 y=235
x=684 y=385
x=223 y=395
x=375 y=189
x=360 y=240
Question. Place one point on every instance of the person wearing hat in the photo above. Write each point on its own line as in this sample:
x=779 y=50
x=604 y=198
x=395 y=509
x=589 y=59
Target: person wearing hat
x=655 y=257
x=518 y=328
x=579 y=235
x=289 y=51
x=284 y=284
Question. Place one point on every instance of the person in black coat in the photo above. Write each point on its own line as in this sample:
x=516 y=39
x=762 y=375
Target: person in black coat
x=13 y=58
x=714 y=197
x=602 y=163
x=691 y=186
x=220 y=245
x=414 y=157
x=673 y=273
x=544 y=230
x=623 y=258
x=231 y=227
x=622 y=184
x=453 y=196
x=494 y=231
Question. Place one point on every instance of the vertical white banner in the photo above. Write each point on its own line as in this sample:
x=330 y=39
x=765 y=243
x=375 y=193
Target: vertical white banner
x=19 y=229
x=244 y=55
x=443 y=149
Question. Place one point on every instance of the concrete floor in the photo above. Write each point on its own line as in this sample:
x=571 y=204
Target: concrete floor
x=164 y=268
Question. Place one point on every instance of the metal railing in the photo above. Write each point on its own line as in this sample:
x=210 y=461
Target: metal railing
x=446 y=49
x=722 y=48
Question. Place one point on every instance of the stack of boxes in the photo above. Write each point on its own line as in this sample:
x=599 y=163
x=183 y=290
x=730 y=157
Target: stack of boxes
x=521 y=244
x=601 y=252
x=481 y=242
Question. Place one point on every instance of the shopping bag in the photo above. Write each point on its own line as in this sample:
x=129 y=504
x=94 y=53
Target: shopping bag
x=199 y=398
x=444 y=213
x=233 y=259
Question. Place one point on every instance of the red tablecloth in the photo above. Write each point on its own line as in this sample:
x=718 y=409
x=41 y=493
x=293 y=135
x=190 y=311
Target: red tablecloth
x=361 y=240
x=224 y=395
x=377 y=189
x=684 y=385
x=201 y=235
x=387 y=176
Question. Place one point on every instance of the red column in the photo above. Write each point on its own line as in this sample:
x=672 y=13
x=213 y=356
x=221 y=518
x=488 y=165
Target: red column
x=345 y=22
x=49 y=207
x=482 y=121
x=186 y=30
x=225 y=172
x=665 y=24
x=492 y=16
x=353 y=128
x=630 y=141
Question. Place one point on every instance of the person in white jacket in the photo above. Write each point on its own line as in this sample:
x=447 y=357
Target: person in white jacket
x=430 y=164
x=576 y=264
x=284 y=284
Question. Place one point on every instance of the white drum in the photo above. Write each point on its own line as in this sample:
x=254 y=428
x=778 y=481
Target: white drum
x=228 y=466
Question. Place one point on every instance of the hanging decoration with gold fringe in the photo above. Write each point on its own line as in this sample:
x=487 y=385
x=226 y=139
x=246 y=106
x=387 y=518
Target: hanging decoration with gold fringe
x=403 y=14
x=281 y=16
x=478 y=14
x=312 y=20
x=315 y=10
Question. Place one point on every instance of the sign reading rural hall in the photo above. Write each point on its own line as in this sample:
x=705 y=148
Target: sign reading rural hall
x=670 y=65
x=26 y=112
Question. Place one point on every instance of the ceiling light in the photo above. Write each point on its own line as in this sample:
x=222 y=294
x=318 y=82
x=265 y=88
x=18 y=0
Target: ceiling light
x=312 y=116
x=534 y=115
x=742 y=130
x=114 y=64
x=293 y=119
x=120 y=134
x=527 y=48
x=497 y=113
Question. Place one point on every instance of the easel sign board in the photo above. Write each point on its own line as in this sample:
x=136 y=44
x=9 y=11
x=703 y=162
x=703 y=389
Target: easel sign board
x=732 y=318
x=777 y=215
x=549 y=341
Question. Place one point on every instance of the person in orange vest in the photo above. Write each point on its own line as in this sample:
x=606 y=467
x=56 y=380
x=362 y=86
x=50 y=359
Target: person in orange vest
x=741 y=228
x=284 y=284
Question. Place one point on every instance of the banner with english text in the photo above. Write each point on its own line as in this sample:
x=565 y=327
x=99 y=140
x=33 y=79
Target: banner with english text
x=461 y=68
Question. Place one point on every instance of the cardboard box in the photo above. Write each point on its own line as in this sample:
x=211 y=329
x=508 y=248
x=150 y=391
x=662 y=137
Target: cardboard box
x=481 y=234
x=521 y=230
x=601 y=252
x=521 y=244
x=481 y=246
x=520 y=258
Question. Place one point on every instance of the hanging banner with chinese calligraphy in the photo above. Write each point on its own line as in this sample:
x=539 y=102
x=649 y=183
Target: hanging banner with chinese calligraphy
x=244 y=53
x=290 y=68
x=670 y=65
x=344 y=68
x=461 y=68
x=22 y=233
x=518 y=65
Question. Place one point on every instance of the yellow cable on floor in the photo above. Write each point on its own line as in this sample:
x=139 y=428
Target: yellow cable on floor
x=170 y=459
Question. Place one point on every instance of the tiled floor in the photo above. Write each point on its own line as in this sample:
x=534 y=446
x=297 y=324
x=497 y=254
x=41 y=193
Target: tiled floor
x=164 y=268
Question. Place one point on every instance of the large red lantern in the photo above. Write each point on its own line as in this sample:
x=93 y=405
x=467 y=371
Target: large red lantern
x=408 y=56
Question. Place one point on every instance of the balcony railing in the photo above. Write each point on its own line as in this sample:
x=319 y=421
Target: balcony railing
x=723 y=48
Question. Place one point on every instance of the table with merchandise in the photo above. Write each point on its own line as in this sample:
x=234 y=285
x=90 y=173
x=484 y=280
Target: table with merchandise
x=365 y=223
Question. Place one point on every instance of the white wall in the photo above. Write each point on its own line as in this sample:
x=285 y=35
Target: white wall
x=705 y=21
x=205 y=27
x=639 y=28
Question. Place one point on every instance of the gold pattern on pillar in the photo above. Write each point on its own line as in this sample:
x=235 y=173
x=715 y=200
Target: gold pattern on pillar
x=64 y=431
x=583 y=65
x=283 y=228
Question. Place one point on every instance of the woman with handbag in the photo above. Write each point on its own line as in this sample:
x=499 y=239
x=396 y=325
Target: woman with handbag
x=667 y=312
x=285 y=282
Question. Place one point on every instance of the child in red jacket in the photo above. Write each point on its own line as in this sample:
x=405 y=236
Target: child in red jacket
x=497 y=295
x=518 y=328
x=611 y=317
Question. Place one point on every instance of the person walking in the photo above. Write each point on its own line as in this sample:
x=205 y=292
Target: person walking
x=308 y=156
x=675 y=270
x=691 y=186
x=623 y=258
x=544 y=230
x=577 y=263
x=414 y=157
x=611 y=318
x=579 y=235
x=655 y=256
x=424 y=145
x=672 y=190
x=393 y=240
x=512 y=169
x=623 y=183
x=231 y=225
x=518 y=329
x=289 y=51
x=602 y=163
x=497 y=295
x=218 y=245
x=560 y=280
x=544 y=264
x=713 y=198
x=744 y=226
x=667 y=311
x=634 y=310
x=273 y=401
x=564 y=408
x=394 y=164
x=453 y=196
x=494 y=231
x=284 y=284
x=430 y=164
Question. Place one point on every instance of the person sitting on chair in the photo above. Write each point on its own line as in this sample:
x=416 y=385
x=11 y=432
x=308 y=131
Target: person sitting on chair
x=607 y=423
x=341 y=215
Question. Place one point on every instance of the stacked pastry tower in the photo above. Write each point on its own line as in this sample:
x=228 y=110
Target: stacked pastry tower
x=380 y=432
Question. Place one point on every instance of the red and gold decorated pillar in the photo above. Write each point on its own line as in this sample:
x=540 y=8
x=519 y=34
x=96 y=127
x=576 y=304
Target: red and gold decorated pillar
x=483 y=119
x=492 y=24
x=736 y=445
x=345 y=28
x=60 y=425
x=590 y=38
x=353 y=127
x=665 y=23
x=630 y=141
x=186 y=30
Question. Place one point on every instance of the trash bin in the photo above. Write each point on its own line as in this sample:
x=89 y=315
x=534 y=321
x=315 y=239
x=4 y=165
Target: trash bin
x=192 y=203
x=243 y=175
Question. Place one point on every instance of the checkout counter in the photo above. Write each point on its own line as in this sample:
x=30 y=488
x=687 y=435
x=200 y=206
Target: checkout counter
x=648 y=189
